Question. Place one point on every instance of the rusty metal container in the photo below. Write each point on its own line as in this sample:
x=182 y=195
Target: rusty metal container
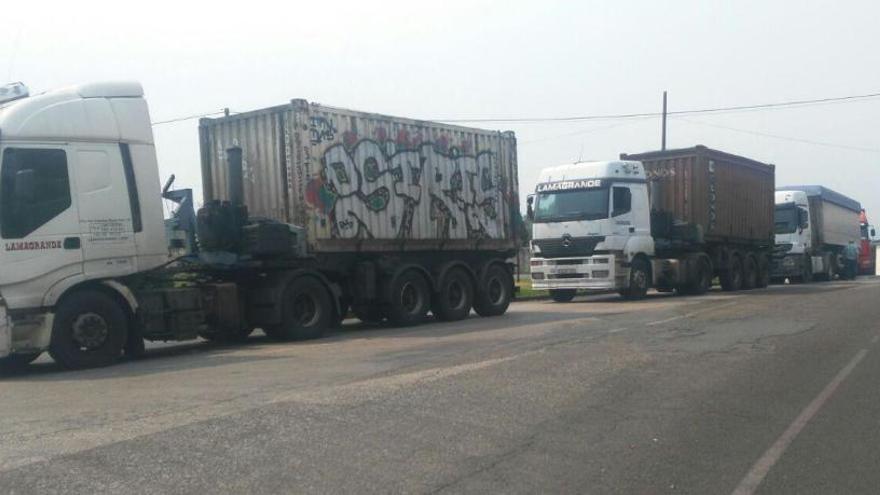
x=367 y=182
x=730 y=198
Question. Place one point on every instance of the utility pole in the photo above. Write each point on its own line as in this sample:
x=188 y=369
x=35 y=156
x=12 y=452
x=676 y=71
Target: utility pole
x=663 y=138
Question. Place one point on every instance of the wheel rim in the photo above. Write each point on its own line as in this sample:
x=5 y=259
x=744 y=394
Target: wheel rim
x=455 y=295
x=306 y=310
x=737 y=274
x=640 y=280
x=705 y=277
x=90 y=331
x=495 y=289
x=410 y=298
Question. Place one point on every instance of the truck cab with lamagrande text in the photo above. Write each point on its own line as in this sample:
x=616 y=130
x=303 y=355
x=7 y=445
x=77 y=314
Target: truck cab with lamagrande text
x=590 y=220
x=670 y=219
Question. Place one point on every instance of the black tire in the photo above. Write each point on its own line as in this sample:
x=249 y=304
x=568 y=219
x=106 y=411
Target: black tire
x=702 y=280
x=750 y=273
x=371 y=314
x=89 y=331
x=562 y=295
x=17 y=362
x=306 y=311
x=806 y=270
x=494 y=292
x=455 y=298
x=639 y=280
x=409 y=299
x=732 y=278
x=763 y=272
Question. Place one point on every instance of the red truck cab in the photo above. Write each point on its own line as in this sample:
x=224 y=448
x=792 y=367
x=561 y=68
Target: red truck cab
x=866 y=250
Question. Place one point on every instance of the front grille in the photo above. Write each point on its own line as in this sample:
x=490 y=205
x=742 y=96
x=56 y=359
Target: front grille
x=781 y=249
x=568 y=262
x=569 y=275
x=577 y=246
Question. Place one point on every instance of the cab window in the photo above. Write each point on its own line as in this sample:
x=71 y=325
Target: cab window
x=621 y=201
x=34 y=188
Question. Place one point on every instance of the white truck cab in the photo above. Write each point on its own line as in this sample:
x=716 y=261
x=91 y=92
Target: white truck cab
x=589 y=222
x=792 y=220
x=79 y=201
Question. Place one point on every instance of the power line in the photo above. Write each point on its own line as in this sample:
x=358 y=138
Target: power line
x=762 y=106
x=191 y=117
x=578 y=133
x=785 y=138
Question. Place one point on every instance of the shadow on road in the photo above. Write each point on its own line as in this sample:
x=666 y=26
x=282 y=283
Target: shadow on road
x=200 y=354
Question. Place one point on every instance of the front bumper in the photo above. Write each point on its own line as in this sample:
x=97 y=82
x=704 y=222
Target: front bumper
x=5 y=333
x=787 y=266
x=597 y=272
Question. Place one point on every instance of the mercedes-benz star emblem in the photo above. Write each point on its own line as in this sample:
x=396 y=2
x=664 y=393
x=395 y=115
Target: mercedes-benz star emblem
x=567 y=240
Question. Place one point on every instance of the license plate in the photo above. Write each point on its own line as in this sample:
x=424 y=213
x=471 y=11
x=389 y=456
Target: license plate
x=566 y=270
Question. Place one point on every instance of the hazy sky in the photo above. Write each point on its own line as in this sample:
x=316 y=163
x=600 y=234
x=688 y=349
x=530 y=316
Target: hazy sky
x=475 y=59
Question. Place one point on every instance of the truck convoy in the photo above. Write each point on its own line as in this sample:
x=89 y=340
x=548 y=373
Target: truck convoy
x=867 y=250
x=813 y=224
x=671 y=219
x=309 y=211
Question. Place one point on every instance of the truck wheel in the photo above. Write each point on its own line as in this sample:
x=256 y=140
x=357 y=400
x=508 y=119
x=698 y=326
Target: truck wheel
x=750 y=273
x=306 y=311
x=732 y=278
x=89 y=331
x=16 y=362
x=409 y=299
x=494 y=292
x=562 y=295
x=763 y=272
x=638 y=280
x=368 y=313
x=806 y=270
x=456 y=296
x=702 y=280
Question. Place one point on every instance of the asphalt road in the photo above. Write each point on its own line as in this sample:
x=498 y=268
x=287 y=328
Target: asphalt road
x=769 y=391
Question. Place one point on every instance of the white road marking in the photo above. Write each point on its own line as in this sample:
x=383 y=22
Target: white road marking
x=615 y=330
x=688 y=315
x=759 y=470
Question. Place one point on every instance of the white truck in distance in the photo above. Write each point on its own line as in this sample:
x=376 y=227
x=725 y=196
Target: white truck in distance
x=86 y=270
x=813 y=224
x=672 y=220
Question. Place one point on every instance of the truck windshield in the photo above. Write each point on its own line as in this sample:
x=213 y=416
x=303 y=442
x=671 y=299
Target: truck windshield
x=786 y=219
x=582 y=204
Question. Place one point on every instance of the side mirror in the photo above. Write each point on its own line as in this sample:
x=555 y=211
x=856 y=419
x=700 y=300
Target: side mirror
x=873 y=232
x=530 y=211
x=25 y=186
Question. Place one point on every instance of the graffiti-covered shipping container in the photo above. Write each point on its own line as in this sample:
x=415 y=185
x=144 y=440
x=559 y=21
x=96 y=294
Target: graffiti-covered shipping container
x=366 y=182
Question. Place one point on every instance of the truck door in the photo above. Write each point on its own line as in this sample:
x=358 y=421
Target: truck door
x=39 y=224
x=105 y=210
x=621 y=211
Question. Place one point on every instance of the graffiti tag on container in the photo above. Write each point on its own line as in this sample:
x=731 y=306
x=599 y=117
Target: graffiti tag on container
x=321 y=129
x=373 y=189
